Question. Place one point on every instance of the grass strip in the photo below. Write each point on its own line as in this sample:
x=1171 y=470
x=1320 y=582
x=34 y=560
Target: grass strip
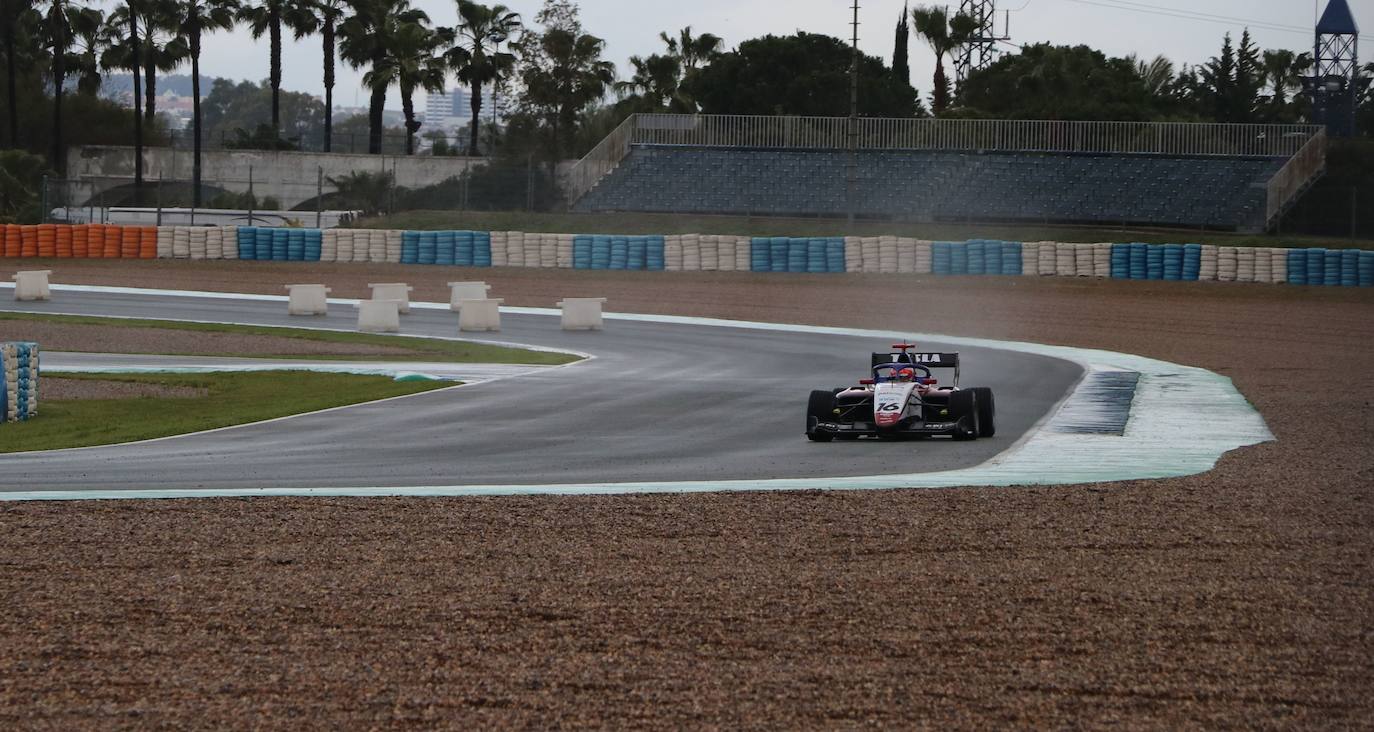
x=231 y=399
x=649 y=224
x=426 y=349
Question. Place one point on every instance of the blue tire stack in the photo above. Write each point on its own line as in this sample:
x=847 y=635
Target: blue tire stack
x=777 y=253
x=834 y=254
x=941 y=257
x=295 y=245
x=1173 y=262
x=1140 y=261
x=638 y=254
x=1366 y=269
x=481 y=249
x=464 y=242
x=760 y=254
x=426 y=247
x=977 y=261
x=653 y=255
x=1192 y=261
x=248 y=237
x=262 y=244
x=1121 y=261
x=18 y=381
x=410 y=247
x=620 y=252
x=314 y=243
x=1350 y=268
x=1011 y=258
x=445 y=247
x=1316 y=266
x=582 y=251
x=1297 y=266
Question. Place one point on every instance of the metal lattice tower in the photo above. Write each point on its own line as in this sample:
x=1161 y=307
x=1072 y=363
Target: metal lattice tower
x=981 y=49
x=1336 y=81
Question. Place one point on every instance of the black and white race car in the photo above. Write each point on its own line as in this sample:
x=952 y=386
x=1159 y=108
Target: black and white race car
x=902 y=399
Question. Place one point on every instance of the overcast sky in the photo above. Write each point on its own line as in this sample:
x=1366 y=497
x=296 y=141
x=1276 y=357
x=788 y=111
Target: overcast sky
x=630 y=27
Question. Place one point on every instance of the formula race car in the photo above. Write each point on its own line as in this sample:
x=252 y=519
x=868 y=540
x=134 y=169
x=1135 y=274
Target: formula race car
x=903 y=399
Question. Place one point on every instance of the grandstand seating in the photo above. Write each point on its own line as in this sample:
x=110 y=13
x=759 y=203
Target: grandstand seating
x=1216 y=192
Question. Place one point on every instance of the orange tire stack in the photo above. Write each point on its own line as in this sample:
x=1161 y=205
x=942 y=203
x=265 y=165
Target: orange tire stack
x=28 y=241
x=113 y=241
x=129 y=236
x=64 y=241
x=47 y=240
x=11 y=244
x=147 y=242
x=80 y=236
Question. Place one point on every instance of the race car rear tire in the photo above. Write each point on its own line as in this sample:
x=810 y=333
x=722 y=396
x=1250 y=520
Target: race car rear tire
x=987 y=411
x=963 y=406
x=821 y=407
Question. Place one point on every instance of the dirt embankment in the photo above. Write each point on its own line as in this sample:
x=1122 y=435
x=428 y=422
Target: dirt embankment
x=1243 y=597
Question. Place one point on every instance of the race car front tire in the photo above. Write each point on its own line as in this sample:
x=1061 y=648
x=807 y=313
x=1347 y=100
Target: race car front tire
x=820 y=408
x=987 y=411
x=963 y=406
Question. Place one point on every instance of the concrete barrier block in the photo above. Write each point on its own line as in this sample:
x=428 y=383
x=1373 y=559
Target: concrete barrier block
x=307 y=300
x=32 y=285
x=581 y=313
x=379 y=316
x=479 y=315
x=398 y=291
x=460 y=291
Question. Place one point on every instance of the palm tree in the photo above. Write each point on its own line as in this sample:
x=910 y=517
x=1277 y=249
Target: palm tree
x=15 y=15
x=943 y=34
x=162 y=48
x=197 y=18
x=69 y=32
x=411 y=63
x=576 y=77
x=365 y=39
x=655 y=82
x=477 y=58
x=121 y=51
x=692 y=52
x=1157 y=74
x=266 y=18
x=323 y=17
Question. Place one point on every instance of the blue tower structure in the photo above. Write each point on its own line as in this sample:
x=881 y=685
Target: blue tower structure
x=1336 y=82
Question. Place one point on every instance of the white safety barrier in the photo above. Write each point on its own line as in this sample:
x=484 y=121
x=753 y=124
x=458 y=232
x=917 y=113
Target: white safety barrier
x=1030 y=258
x=853 y=254
x=343 y=245
x=307 y=300
x=906 y=255
x=379 y=316
x=1207 y=262
x=1278 y=266
x=214 y=243
x=710 y=254
x=479 y=315
x=727 y=254
x=581 y=313
x=672 y=251
x=1102 y=260
x=398 y=291
x=1263 y=265
x=395 y=243
x=32 y=285
x=329 y=245
x=181 y=241
x=164 y=242
x=460 y=291
x=925 y=257
x=887 y=254
x=871 y=250
x=1047 y=263
x=516 y=246
x=1226 y=264
x=743 y=247
x=564 y=252
x=1083 y=260
x=500 y=244
x=198 y=238
x=1245 y=264
x=18 y=381
x=691 y=252
x=1065 y=261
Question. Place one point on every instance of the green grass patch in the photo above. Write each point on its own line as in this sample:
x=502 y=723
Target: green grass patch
x=232 y=398
x=641 y=224
x=426 y=349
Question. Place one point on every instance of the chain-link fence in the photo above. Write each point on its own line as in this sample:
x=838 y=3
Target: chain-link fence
x=302 y=198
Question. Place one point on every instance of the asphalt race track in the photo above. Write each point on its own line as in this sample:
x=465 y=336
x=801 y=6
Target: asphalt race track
x=659 y=402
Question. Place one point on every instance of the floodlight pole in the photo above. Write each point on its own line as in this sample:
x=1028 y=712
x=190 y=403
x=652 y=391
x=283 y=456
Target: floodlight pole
x=852 y=176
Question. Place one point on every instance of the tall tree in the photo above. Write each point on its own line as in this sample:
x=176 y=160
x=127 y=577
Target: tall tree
x=654 y=85
x=123 y=47
x=69 y=32
x=1157 y=73
x=197 y=18
x=901 y=51
x=577 y=77
x=943 y=34
x=365 y=39
x=1061 y=83
x=265 y=18
x=163 y=48
x=477 y=57
x=692 y=51
x=16 y=18
x=412 y=62
x=323 y=17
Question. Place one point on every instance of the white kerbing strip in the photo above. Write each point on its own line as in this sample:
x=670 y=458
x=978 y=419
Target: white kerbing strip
x=1182 y=421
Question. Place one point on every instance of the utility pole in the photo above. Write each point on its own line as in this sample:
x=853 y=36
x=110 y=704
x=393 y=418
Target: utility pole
x=852 y=174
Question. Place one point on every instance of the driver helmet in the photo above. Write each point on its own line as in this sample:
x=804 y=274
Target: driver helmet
x=906 y=374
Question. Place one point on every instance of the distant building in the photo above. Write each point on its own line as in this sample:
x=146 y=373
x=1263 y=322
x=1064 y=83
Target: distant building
x=449 y=111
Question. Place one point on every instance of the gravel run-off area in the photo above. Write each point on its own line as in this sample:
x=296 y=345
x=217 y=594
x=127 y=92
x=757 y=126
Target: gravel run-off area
x=1243 y=597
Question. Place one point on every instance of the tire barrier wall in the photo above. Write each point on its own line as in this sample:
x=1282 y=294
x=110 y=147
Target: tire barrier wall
x=699 y=252
x=18 y=381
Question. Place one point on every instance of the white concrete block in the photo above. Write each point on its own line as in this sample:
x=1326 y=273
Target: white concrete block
x=32 y=285
x=308 y=300
x=398 y=291
x=460 y=291
x=582 y=313
x=379 y=316
x=479 y=315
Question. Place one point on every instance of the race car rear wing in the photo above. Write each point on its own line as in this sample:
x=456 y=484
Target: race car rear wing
x=929 y=360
